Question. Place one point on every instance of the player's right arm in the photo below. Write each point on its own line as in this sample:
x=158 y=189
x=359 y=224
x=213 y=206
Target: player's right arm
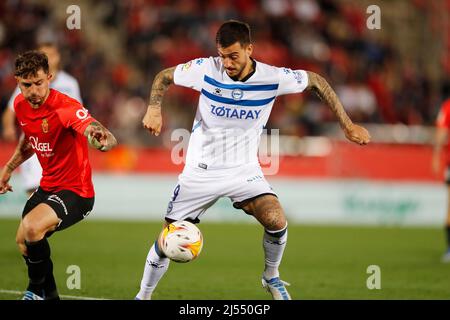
x=99 y=137
x=152 y=120
x=76 y=117
x=22 y=153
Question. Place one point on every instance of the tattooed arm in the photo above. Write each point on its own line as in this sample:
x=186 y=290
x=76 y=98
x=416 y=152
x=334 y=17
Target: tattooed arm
x=153 y=119
x=323 y=90
x=99 y=137
x=22 y=153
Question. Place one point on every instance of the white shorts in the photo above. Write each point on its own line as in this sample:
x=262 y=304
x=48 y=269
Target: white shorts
x=198 y=189
x=31 y=172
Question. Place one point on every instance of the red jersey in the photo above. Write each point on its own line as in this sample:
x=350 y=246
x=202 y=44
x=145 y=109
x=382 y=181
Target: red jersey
x=443 y=121
x=55 y=131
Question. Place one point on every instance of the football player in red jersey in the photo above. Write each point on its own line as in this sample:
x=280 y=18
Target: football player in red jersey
x=58 y=129
x=442 y=126
x=31 y=170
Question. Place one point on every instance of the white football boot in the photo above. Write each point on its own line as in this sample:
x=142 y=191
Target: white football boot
x=277 y=288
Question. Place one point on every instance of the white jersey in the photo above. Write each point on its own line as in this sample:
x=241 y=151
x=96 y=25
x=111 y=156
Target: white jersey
x=63 y=82
x=231 y=114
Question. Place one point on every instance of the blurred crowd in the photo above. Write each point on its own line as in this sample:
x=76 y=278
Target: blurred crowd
x=373 y=79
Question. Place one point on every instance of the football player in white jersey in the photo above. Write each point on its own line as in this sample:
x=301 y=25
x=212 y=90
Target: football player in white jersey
x=31 y=170
x=236 y=97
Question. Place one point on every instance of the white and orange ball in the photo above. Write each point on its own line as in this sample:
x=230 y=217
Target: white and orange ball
x=181 y=241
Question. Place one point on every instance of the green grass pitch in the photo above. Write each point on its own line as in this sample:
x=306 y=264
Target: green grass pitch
x=320 y=262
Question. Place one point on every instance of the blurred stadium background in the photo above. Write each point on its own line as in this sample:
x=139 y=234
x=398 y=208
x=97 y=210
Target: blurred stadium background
x=393 y=80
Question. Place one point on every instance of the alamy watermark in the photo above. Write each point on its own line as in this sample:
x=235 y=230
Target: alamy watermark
x=73 y=21
x=374 y=20
x=74 y=279
x=374 y=280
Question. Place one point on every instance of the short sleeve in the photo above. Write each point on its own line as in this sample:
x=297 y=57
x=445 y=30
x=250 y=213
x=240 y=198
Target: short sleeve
x=191 y=74
x=292 y=81
x=74 y=115
x=443 y=119
x=13 y=98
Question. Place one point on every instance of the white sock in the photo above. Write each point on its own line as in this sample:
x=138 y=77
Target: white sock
x=273 y=246
x=154 y=269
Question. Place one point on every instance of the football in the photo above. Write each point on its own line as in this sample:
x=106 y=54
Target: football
x=181 y=241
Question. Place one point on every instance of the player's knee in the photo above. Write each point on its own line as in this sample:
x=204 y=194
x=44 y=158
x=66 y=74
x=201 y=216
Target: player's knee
x=277 y=226
x=32 y=231
x=277 y=234
x=275 y=220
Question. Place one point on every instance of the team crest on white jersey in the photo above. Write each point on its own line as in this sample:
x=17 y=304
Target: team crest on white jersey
x=237 y=94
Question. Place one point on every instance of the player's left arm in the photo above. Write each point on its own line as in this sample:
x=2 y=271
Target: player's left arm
x=99 y=137
x=323 y=90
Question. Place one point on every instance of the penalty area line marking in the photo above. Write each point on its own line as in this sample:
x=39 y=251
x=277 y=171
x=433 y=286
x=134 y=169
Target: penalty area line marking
x=18 y=293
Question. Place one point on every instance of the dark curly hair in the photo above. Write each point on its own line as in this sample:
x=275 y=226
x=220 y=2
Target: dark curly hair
x=29 y=63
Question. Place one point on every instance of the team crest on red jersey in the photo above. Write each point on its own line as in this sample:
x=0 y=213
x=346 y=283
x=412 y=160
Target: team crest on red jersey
x=44 y=125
